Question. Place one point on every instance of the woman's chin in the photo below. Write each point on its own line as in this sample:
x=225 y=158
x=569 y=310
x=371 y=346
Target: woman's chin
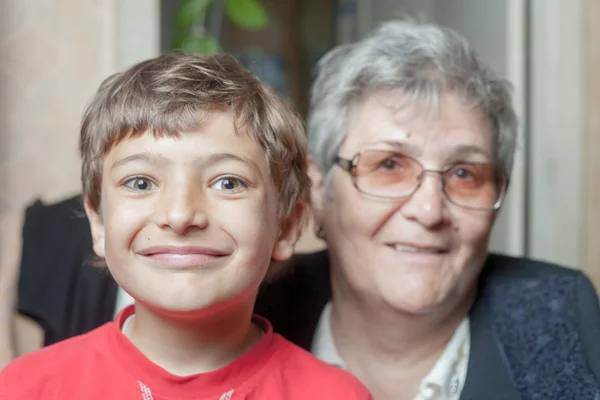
x=414 y=301
x=416 y=308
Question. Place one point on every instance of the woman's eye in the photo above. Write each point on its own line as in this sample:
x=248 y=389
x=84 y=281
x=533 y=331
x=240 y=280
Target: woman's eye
x=140 y=184
x=393 y=163
x=389 y=163
x=229 y=184
x=463 y=173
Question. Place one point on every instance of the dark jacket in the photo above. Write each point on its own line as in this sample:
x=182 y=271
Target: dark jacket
x=535 y=327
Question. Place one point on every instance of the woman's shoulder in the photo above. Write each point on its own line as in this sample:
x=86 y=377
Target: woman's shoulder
x=500 y=267
x=518 y=286
x=545 y=318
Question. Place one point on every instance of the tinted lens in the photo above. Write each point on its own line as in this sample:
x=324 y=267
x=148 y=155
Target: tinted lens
x=474 y=185
x=386 y=174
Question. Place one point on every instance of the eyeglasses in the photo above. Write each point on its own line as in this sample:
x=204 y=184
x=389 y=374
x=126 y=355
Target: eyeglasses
x=389 y=175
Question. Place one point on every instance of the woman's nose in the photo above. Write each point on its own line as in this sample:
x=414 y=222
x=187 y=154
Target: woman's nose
x=426 y=204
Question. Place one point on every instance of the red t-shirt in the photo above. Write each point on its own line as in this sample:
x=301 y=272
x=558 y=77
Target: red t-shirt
x=103 y=364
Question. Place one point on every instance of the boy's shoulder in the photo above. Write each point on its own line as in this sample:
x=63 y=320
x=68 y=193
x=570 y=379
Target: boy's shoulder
x=302 y=370
x=55 y=365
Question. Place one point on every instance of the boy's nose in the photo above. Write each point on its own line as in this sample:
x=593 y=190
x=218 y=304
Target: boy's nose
x=183 y=211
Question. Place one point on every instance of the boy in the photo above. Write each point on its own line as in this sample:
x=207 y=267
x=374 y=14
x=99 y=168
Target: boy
x=195 y=186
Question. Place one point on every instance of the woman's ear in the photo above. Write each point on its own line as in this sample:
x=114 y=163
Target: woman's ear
x=317 y=191
x=97 y=228
x=291 y=229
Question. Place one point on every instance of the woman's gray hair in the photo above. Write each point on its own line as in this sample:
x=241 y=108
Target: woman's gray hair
x=421 y=61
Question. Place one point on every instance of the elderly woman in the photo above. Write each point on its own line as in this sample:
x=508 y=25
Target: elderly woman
x=411 y=139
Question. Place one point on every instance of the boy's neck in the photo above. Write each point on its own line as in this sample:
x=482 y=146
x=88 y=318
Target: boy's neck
x=188 y=346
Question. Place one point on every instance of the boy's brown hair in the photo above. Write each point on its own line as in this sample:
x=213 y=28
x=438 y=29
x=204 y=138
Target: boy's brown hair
x=172 y=94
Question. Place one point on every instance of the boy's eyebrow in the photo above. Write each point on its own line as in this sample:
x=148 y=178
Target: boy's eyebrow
x=145 y=157
x=159 y=159
x=217 y=157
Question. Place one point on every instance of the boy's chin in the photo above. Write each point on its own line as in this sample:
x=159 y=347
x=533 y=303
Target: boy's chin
x=202 y=308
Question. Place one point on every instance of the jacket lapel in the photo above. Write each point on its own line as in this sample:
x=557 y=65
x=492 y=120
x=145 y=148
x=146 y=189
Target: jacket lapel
x=487 y=374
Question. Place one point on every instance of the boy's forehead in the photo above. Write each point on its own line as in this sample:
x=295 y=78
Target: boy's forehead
x=211 y=142
x=140 y=123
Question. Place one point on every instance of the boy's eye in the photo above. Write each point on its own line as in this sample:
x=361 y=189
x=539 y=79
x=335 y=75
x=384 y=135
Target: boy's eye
x=140 y=184
x=229 y=184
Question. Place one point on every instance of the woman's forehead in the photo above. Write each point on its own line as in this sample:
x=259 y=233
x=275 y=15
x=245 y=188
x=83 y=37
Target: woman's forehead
x=379 y=121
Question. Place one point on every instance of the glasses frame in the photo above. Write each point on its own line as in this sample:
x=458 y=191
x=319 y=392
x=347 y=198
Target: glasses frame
x=350 y=165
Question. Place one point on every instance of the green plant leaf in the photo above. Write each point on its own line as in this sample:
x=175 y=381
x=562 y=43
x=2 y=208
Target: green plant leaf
x=178 y=44
x=248 y=14
x=201 y=44
x=191 y=12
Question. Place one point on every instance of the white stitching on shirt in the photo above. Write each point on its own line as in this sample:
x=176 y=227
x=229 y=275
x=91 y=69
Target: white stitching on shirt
x=146 y=393
x=227 y=395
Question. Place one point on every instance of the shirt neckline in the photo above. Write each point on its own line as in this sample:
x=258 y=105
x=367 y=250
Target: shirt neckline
x=233 y=376
x=449 y=370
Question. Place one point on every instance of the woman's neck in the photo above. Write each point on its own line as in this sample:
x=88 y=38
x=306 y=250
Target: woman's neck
x=387 y=349
x=196 y=344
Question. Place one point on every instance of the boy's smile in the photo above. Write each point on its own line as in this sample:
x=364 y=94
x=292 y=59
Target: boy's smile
x=189 y=222
x=182 y=257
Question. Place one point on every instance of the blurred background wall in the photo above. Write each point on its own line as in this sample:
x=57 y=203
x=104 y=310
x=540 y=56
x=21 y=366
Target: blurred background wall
x=53 y=56
x=54 y=53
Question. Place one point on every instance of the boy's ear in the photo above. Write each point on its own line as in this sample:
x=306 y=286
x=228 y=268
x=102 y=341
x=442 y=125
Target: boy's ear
x=97 y=227
x=291 y=229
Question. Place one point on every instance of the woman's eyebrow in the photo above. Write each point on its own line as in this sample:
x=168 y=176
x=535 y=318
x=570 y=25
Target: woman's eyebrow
x=403 y=147
x=465 y=151
x=458 y=152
